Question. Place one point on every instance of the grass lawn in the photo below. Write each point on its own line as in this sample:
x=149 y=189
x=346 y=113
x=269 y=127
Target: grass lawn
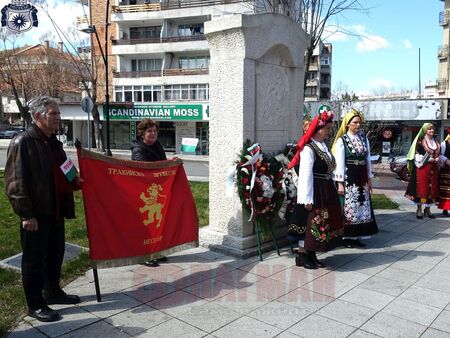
x=380 y=201
x=12 y=304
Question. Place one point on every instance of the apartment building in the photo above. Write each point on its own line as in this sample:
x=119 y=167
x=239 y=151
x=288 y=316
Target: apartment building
x=443 y=86
x=318 y=77
x=159 y=66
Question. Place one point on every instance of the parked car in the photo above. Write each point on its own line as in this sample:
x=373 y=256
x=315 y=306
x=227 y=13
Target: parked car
x=398 y=166
x=10 y=132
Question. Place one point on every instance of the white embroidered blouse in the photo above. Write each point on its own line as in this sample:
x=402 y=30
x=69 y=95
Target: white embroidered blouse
x=305 y=189
x=339 y=172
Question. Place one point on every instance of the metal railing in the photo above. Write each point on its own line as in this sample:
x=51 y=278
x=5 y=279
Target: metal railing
x=443 y=18
x=443 y=52
x=172 y=5
x=159 y=40
x=158 y=73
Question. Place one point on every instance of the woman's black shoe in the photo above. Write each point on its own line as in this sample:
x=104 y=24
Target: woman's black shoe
x=303 y=259
x=154 y=263
x=358 y=243
x=428 y=213
x=445 y=213
x=347 y=243
x=313 y=256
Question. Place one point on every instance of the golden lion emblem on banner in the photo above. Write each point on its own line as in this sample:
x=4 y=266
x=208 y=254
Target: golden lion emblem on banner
x=152 y=206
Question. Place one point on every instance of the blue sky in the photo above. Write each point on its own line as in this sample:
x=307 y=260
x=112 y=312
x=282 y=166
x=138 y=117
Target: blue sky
x=387 y=53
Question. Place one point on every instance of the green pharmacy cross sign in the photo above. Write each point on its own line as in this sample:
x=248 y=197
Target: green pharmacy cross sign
x=173 y=112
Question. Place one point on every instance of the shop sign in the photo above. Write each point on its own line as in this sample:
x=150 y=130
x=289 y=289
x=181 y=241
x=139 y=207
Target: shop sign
x=172 y=112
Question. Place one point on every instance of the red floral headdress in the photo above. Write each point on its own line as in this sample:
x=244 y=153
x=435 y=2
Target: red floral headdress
x=318 y=122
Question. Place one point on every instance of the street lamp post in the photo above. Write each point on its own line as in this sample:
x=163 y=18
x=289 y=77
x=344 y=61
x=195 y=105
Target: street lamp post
x=92 y=30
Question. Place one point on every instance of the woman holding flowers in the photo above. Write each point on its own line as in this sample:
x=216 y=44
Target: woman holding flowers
x=353 y=176
x=423 y=158
x=317 y=194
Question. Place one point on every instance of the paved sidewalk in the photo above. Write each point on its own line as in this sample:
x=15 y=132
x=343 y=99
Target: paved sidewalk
x=399 y=286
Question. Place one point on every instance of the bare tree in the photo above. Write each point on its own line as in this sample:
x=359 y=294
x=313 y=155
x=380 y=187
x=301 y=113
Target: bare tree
x=314 y=16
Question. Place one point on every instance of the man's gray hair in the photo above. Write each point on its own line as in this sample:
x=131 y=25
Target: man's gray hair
x=40 y=105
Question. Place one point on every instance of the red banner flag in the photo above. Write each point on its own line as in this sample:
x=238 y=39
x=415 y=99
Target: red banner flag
x=135 y=211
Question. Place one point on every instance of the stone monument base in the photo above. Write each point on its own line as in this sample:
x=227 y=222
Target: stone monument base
x=237 y=246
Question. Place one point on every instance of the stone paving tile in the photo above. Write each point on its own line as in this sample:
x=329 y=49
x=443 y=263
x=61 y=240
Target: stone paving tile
x=412 y=311
x=389 y=287
x=362 y=334
x=123 y=280
x=435 y=282
x=208 y=316
x=317 y=326
x=269 y=289
x=210 y=289
x=253 y=328
x=363 y=266
x=239 y=278
x=386 y=325
x=347 y=313
x=172 y=328
x=433 y=333
x=306 y=300
x=241 y=301
x=367 y=298
x=25 y=330
x=408 y=264
x=98 y=329
x=442 y=322
x=138 y=319
x=426 y=296
x=399 y=275
x=335 y=284
x=110 y=305
x=298 y=276
x=378 y=258
x=176 y=303
x=148 y=291
x=73 y=318
x=287 y=334
x=265 y=268
x=280 y=315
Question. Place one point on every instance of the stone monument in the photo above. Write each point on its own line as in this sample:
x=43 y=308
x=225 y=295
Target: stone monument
x=256 y=92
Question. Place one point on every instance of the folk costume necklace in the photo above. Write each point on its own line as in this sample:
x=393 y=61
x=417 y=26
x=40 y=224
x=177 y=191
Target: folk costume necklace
x=430 y=145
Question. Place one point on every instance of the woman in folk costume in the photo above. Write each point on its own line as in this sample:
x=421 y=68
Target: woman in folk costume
x=316 y=193
x=423 y=158
x=353 y=176
x=444 y=177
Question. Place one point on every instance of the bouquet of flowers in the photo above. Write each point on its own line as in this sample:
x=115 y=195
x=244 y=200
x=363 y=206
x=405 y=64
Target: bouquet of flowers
x=260 y=185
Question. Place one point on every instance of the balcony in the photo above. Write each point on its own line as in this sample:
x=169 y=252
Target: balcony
x=165 y=72
x=167 y=5
x=442 y=52
x=442 y=85
x=443 y=18
x=159 y=40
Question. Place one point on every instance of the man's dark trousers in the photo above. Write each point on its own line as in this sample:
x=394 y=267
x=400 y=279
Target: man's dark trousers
x=43 y=253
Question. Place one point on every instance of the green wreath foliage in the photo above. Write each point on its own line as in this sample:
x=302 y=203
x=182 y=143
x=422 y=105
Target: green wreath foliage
x=267 y=195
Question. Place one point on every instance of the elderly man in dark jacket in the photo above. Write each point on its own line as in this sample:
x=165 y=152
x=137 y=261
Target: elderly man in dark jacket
x=42 y=197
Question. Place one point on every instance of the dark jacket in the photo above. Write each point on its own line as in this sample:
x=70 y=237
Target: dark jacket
x=143 y=152
x=31 y=175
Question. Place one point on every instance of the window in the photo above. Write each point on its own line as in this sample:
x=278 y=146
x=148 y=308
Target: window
x=146 y=65
x=325 y=61
x=192 y=92
x=193 y=62
x=189 y=30
x=145 y=32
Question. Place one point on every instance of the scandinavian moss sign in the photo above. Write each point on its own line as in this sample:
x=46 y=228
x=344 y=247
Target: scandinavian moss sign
x=172 y=112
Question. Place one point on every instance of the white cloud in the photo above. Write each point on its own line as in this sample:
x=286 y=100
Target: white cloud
x=380 y=83
x=370 y=43
x=407 y=44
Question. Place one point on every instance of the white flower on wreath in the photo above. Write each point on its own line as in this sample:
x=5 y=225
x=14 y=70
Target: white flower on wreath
x=268 y=190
